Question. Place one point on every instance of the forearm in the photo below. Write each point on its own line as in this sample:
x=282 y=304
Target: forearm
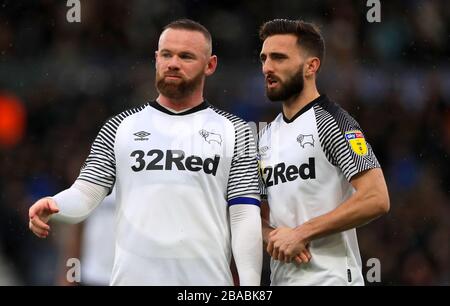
x=352 y=213
x=246 y=242
x=77 y=202
x=370 y=201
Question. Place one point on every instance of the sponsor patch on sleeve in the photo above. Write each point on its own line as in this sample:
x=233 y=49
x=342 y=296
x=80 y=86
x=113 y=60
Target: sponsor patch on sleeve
x=357 y=142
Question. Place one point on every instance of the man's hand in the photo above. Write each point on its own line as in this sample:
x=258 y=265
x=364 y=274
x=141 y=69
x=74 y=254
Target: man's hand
x=285 y=244
x=39 y=215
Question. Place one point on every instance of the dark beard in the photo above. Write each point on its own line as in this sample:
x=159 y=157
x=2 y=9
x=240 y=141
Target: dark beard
x=180 y=90
x=292 y=87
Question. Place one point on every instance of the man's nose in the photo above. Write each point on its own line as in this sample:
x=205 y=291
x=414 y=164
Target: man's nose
x=174 y=63
x=267 y=67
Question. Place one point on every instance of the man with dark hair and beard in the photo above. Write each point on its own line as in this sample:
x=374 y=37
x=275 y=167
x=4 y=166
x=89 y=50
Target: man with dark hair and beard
x=186 y=178
x=320 y=177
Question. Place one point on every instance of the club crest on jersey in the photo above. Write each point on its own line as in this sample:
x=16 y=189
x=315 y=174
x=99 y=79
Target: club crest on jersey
x=357 y=142
x=142 y=135
x=263 y=150
x=211 y=137
x=303 y=140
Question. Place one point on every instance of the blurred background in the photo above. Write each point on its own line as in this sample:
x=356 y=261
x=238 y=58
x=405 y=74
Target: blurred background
x=60 y=81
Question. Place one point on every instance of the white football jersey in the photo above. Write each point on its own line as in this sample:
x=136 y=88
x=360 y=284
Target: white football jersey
x=306 y=164
x=175 y=175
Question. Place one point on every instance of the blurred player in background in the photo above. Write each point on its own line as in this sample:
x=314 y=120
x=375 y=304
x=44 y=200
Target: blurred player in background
x=321 y=177
x=186 y=177
x=91 y=241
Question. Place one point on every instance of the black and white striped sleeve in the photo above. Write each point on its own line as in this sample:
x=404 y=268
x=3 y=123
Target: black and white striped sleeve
x=343 y=141
x=244 y=178
x=100 y=166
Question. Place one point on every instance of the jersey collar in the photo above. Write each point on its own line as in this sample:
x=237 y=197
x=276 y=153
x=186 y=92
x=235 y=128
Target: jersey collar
x=305 y=108
x=197 y=108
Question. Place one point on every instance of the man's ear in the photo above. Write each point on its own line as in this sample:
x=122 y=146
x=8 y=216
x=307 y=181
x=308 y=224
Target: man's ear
x=312 y=66
x=212 y=65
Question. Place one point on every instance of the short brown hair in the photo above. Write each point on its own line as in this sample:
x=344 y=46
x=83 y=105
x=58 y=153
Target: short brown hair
x=190 y=25
x=308 y=34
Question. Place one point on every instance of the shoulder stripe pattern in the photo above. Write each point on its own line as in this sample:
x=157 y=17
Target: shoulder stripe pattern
x=100 y=166
x=332 y=123
x=243 y=178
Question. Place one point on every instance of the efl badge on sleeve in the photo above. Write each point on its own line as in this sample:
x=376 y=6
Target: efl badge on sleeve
x=357 y=142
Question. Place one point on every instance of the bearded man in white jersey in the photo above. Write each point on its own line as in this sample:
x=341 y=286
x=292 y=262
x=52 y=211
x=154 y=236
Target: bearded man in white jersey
x=320 y=176
x=186 y=178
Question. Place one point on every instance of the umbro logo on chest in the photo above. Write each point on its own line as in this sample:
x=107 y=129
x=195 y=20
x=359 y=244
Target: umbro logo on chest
x=142 y=135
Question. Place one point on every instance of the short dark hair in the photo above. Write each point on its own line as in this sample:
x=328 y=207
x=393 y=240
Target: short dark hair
x=190 y=25
x=308 y=34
